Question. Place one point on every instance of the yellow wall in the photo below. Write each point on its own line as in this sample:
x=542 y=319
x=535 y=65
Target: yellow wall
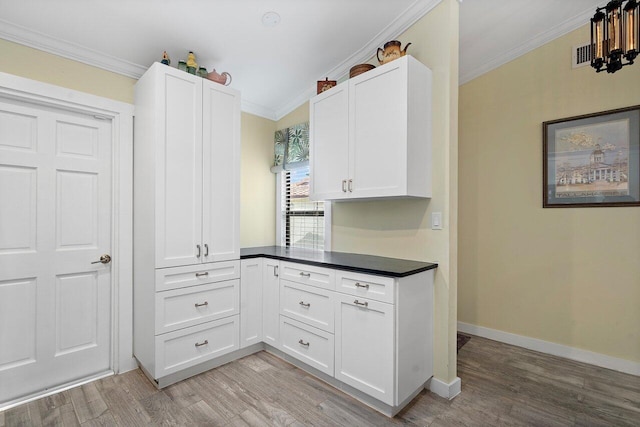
x=400 y=228
x=569 y=276
x=38 y=65
x=257 y=216
x=258 y=184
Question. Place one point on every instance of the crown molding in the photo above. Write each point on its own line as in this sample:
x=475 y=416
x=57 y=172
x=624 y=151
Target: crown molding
x=526 y=47
x=258 y=110
x=24 y=36
x=340 y=72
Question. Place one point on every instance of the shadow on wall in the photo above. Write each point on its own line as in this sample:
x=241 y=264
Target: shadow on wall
x=382 y=215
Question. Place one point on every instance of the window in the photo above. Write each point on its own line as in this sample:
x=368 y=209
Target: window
x=302 y=220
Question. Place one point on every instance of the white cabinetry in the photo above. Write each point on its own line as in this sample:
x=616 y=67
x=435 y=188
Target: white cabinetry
x=186 y=221
x=271 y=302
x=251 y=301
x=306 y=314
x=370 y=136
x=187 y=156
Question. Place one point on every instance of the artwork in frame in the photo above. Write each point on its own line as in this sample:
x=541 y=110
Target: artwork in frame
x=592 y=160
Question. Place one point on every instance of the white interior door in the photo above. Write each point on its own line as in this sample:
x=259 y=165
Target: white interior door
x=55 y=220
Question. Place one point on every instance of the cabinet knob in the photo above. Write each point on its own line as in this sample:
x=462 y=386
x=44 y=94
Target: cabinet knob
x=363 y=304
x=206 y=273
x=303 y=274
x=359 y=285
x=350 y=186
x=344 y=185
x=204 y=304
x=306 y=344
x=306 y=305
x=200 y=344
x=206 y=249
x=199 y=251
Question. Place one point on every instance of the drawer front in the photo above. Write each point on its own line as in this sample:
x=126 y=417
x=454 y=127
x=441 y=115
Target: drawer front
x=310 y=305
x=307 y=344
x=192 y=275
x=366 y=286
x=180 y=308
x=308 y=275
x=187 y=347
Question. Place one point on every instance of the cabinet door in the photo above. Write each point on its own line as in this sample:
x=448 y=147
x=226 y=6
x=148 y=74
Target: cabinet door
x=179 y=170
x=221 y=172
x=250 y=302
x=328 y=139
x=364 y=344
x=378 y=132
x=271 y=302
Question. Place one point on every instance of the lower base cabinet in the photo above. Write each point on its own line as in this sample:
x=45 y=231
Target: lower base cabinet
x=364 y=346
x=371 y=333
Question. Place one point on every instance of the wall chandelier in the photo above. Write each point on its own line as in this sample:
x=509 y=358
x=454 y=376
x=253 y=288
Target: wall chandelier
x=614 y=35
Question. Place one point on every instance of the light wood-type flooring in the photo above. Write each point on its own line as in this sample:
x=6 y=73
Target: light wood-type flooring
x=501 y=385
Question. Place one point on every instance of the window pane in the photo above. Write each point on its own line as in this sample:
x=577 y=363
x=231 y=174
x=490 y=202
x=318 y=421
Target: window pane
x=304 y=219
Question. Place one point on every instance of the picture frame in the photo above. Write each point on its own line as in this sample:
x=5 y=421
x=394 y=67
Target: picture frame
x=592 y=160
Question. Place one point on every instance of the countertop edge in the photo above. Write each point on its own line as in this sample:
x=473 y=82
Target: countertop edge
x=366 y=270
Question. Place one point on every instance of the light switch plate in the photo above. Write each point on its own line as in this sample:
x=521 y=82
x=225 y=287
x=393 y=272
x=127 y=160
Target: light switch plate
x=436 y=220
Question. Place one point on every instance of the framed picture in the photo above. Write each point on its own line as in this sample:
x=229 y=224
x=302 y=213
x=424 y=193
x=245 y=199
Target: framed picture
x=592 y=160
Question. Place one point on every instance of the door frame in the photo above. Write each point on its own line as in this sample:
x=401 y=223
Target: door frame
x=121 y=116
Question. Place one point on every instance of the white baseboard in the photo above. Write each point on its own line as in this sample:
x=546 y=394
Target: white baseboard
x=442 y=389
x=572 y=353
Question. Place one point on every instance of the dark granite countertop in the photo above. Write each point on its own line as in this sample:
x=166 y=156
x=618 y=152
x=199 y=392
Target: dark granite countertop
x=369 y=264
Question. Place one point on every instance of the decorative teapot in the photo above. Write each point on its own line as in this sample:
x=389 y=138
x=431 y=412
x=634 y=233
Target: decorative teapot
x=391 y=51
x=223 y=79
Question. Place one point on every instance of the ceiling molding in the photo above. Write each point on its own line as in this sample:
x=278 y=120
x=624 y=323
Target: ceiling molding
x=24 y=36
x=526 y=47
x=340 y=72
x=258 y=110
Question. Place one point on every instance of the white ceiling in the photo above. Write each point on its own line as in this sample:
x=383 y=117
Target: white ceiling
x=276 y=67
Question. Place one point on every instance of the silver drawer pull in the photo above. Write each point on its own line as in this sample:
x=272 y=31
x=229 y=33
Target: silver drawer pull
x=204 y=304
x=306 y=344
x=200 y=344
x=303 y=274
x=206 y=273
x=358 y=285
x=364 y=304
x=307 y=305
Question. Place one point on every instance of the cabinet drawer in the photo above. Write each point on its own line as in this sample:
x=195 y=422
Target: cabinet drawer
x=308 y=275
x=307 y=344
x=180 y=308
x=187 y=347
x=366 y=285
x=313 y=306
x=191 y=275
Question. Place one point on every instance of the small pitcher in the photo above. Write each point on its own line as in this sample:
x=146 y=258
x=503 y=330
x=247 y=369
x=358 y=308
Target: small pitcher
x=391 y=51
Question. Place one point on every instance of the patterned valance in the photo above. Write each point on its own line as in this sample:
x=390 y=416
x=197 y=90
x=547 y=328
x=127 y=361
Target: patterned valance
x=291 y=148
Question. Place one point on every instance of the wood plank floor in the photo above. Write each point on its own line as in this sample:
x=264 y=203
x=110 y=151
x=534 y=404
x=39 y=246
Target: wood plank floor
x=501 y=385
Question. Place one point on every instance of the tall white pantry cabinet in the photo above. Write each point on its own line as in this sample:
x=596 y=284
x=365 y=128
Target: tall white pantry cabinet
x=186 y=221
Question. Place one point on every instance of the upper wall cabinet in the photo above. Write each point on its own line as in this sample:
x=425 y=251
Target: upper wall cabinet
x=370 y=136
x=187 y=155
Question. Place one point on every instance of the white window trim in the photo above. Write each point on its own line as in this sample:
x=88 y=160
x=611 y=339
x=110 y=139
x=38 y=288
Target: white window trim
x=279 y=217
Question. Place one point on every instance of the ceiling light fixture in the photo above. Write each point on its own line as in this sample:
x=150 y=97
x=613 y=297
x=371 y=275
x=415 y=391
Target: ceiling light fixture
x=614 y=35
x=270 y=19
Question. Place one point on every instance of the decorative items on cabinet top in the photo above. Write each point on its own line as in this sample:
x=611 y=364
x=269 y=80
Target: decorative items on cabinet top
x=191 y=66
x=369 y=264
x=392 y=50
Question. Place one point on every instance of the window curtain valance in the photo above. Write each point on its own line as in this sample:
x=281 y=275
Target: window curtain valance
x=291 y=148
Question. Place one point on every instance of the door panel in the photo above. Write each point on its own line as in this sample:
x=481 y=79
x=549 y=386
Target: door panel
x=179 y=173
x=55 y=220
x=18 y=184
x=221 y=153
